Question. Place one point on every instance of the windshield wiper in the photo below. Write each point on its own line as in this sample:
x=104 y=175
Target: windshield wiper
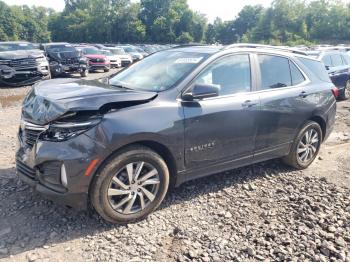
x=121 y=86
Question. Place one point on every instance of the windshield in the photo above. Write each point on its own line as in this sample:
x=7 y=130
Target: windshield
x=61 y=48
x=158 y=72
x=118 y=51
x=107 y=53
x=91 y=51
x=130 y=49
x=16 y=46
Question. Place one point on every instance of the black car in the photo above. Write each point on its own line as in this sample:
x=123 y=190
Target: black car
x=65 y=58
x=22 y=63
x=177 y=115
x=338 y=66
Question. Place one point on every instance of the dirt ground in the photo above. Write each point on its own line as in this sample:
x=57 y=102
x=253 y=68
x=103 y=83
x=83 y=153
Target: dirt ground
x=31 y=234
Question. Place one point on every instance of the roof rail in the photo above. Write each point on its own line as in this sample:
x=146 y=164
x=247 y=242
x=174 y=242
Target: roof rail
x=264 y=46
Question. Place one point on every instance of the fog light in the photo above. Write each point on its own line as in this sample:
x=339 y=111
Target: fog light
x=64 y=180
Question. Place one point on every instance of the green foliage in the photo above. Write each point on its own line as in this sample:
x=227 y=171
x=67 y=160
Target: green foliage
x=289 y=22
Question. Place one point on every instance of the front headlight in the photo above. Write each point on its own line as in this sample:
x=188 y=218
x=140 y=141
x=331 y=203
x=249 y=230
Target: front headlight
x=53 y=63
x=41 y=60
x=61 y=131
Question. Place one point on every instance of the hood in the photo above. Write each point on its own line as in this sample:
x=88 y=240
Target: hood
x=96 y=56
x=21 y=54
x=52 y=99
x=64 y=55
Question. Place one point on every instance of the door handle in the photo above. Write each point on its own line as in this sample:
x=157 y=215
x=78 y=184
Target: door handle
x=249 y=103
x=303 y=94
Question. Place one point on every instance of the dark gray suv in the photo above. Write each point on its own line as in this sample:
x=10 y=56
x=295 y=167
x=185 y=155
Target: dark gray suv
x=177 y=115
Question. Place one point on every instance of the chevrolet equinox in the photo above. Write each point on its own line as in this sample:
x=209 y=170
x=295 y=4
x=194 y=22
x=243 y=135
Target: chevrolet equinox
x=117 y=145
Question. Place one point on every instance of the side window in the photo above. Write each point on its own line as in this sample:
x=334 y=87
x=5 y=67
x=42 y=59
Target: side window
x=337 y=61
x=231 y=74
x=275 y=71
x=297 y=76
x=327 y=60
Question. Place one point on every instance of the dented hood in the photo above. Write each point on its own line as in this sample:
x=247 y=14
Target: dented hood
x=51 y=99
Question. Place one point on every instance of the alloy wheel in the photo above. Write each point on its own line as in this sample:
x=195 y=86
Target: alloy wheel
x=133 y=187
x=308 y=146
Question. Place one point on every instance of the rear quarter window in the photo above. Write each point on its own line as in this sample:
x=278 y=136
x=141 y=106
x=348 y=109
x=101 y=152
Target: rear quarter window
x=316 y=67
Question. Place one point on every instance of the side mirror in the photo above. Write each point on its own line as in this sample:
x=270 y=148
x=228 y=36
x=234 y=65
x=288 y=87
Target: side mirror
x=201 y=91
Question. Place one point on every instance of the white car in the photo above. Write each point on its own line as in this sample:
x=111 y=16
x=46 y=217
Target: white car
x=125 y=58
x=114 y=59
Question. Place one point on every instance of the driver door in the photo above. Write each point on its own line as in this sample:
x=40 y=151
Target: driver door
x=223 y=128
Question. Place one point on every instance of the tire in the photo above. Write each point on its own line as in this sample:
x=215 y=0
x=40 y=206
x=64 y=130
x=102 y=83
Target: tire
x=84 y=73
x=111 y=207
x=294 y=159
x=106 y=69
x=346 y=93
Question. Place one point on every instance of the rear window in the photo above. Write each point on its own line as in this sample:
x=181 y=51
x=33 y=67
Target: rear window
x=317 y=68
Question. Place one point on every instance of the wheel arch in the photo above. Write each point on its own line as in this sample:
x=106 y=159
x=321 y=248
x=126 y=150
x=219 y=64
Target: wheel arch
x=319 y=120
x=159 y=148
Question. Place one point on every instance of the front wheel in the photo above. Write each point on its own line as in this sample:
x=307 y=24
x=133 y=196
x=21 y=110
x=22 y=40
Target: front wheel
x=106 y=69
x=346 y=93
x=305 y=147
x=84 y=73
x=130 y=186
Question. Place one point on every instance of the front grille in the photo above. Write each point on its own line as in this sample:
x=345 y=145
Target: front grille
x=23 y=63
x=30 y=133
x=97 y=60
x=70 y=61
x=24 y=169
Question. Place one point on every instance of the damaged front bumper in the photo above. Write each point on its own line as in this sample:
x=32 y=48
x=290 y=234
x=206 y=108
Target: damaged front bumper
x=58 y=170
x=57 y=69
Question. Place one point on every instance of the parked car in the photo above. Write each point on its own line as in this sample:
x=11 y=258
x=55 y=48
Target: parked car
x=97 y=60
x=65 y=58
x=136 y=55
x=177 y=115
x=125 y=58
x=113 y=59
x=337 y=64
x=21 y=63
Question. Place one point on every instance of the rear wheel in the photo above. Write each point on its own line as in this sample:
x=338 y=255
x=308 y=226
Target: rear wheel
x=130 y=186
x=84 y=73
x=306 y=146
x=346 y=93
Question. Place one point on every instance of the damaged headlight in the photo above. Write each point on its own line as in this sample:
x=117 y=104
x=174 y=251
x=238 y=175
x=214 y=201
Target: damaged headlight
x=61 y=131
x=41 y=60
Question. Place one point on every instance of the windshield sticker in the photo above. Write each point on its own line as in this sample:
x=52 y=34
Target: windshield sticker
x=188 y=60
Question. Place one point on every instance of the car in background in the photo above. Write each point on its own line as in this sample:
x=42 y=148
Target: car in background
x=175 y=116
x=21 y=63
x=136 y=55
x=97 y=60
x=337 y=64
x=148 y=49
x=124 y=57
x=113 y=59
x=65 y=58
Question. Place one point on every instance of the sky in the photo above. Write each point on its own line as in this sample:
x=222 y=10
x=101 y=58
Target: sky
x=225 y=9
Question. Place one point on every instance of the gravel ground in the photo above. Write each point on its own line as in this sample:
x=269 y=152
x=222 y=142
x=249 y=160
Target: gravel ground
x=263 y=212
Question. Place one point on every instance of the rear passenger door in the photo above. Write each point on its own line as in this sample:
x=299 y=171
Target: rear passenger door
x=284 y=99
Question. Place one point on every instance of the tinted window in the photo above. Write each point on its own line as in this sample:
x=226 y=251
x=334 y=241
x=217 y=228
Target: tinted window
x=336 y=60
x=297 y=76
x=231 y=74
x=275 y=71
x=316 y=67
x=327 y=60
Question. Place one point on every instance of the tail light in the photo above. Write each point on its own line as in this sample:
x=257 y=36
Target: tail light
x=335 y=92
